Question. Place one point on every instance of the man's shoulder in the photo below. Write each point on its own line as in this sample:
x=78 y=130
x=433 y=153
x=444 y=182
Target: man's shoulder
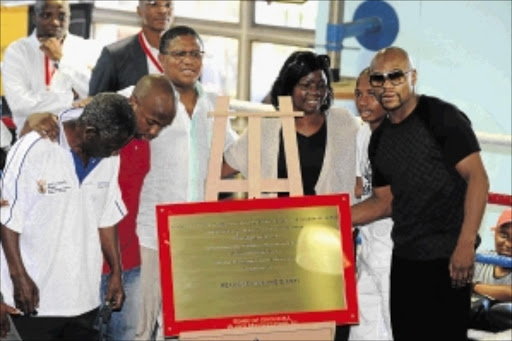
x=436 y=105
x=31 y=147
x=205 y=95
x=27 y=140
x=123 y=44
x=437 y=112
x=75 y=39
x=22 y=40
x=19 y=44
x=207 y=100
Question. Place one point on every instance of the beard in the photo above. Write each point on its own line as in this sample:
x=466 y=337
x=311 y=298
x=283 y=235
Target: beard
x=390 y=106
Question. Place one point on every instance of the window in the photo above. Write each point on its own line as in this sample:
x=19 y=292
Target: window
x=301 y=15
x=264 y=70
x=246 y=42
x=122 y=5
x=109 y=33
x=220 y=64
x=226 y=11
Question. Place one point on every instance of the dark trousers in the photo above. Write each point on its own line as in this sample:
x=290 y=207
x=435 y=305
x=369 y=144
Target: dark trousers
x=57 y=328
x=342 y=333
x=423 y=304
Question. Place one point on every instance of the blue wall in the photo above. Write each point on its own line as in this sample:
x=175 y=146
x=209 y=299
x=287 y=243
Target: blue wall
x=462 y=51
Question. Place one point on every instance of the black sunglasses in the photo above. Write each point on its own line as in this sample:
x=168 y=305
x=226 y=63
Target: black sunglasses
x=396 y=77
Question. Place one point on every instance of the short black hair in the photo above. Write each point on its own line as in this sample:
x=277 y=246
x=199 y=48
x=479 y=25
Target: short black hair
x=365 y=71
x=296 y=66
x=177 y=31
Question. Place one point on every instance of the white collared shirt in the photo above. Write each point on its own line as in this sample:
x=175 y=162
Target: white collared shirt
x=151 y=66
x=338 y=167
x=363 y=167
x=58 y=218
x=179 y=164
x=23 y=76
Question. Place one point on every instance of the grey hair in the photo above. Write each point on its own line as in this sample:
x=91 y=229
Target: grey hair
x=40 y=4
x=112 y=116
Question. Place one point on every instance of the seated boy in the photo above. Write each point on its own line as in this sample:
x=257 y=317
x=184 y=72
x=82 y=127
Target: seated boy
x=492 y=284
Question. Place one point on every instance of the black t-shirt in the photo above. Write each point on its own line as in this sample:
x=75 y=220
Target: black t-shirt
x=417 y=158
x=311 y=156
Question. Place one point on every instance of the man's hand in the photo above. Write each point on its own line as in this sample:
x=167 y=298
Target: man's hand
x=4 y=323
x=462 y=264
x=52 y=48
x=110 y=249
x=115 y=291
x=82 y=103
x=45 y=124
x=26 y=294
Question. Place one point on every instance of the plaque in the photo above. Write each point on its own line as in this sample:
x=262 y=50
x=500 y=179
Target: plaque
x=259 y=262
x=318 y=331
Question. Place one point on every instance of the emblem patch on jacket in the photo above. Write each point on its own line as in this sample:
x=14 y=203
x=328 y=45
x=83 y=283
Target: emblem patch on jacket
x=55 y=187
x=42 y=186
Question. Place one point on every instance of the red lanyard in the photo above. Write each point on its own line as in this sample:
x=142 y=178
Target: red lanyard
x=48 y=74
x=149 y=54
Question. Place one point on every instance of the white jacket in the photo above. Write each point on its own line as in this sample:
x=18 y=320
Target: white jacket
x=339 y=166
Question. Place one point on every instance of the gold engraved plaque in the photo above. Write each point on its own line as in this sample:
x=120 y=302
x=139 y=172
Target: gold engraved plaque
x=257 y=262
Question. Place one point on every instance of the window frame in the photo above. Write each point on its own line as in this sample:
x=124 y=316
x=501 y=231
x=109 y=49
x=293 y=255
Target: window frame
x=246 y=31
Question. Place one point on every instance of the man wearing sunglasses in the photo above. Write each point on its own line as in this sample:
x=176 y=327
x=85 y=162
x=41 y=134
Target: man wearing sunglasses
x=429 y=177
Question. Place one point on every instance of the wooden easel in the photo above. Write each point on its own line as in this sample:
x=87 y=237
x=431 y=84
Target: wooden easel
x=254 y=185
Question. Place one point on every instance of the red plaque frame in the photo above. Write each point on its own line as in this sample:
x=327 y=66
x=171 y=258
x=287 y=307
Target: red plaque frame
x=165 y=212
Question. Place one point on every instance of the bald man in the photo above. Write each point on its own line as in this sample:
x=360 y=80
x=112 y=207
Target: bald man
x=50 y=69
x=154 y=104
x=429 y=177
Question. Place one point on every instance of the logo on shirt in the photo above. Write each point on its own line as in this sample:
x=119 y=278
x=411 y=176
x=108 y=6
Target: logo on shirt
x=45 y=187
x=42 y=186
x=103 y=184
